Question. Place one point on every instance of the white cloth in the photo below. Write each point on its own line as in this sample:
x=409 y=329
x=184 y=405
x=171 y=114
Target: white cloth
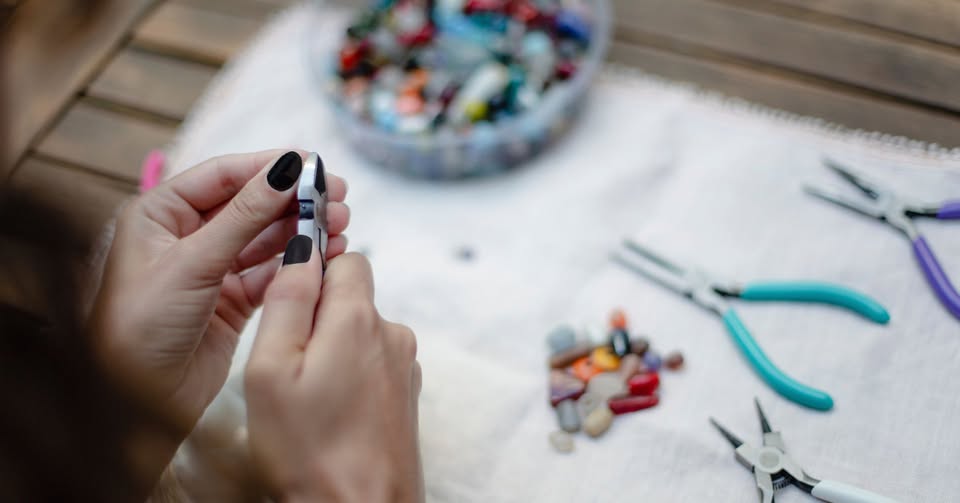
x=709 y=181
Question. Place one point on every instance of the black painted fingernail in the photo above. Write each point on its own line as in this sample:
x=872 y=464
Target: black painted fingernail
x=285 y=171
x=298 y=251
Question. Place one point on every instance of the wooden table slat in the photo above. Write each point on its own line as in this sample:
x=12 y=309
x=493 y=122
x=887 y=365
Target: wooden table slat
x=85 y=199
x=153 y=83
x=106 y=142
x=195 y=33
x=52 y=59
x=767 y=88
x=891 y=66
x=255 y=9
x=937 y=20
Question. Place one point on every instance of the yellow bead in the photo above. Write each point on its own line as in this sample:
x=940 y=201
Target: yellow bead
x=476 y=110
x=604 y=359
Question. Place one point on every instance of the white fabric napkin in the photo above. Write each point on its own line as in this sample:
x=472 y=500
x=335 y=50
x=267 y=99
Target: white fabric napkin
x=707 y=180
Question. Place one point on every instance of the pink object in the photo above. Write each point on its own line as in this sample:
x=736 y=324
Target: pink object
x=151 y=171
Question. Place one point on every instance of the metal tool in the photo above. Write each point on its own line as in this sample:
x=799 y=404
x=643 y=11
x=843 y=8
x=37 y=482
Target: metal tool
x=312 y=197
x=774 y=469
x=710 y=293
x=886 y=205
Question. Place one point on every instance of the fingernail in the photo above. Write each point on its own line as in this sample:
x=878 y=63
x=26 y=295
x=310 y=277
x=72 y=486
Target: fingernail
x=298 y=251
x=285 y=171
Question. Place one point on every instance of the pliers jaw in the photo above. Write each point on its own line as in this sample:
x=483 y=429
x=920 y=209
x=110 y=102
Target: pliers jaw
x=312 y=202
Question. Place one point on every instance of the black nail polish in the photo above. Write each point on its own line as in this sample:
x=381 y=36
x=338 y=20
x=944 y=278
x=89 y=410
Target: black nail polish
x=285 y=171
x=298 y=251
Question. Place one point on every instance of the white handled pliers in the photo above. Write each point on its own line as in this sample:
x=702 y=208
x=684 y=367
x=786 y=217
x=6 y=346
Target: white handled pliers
x=312 y=199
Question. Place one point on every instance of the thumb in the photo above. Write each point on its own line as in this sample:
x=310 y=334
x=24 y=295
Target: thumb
x=263 y=200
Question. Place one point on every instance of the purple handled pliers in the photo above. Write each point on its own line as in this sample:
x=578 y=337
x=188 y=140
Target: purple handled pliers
x=888 y=206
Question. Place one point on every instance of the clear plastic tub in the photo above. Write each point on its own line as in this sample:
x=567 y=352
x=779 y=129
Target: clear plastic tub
x=488 y=148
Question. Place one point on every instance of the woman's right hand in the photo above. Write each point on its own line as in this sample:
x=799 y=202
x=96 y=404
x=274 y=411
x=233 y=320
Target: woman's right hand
x=332 y=388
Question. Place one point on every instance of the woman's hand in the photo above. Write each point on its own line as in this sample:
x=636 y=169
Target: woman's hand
x=190 y=262
x=332 y=388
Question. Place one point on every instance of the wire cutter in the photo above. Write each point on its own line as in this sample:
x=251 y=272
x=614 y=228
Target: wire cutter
x=312 y=199
x=774 y=469
x=888 y=206
x=708 y=292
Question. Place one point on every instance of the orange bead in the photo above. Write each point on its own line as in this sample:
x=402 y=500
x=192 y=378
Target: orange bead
x=618 y=319
x=584 y=369
x=604 y=359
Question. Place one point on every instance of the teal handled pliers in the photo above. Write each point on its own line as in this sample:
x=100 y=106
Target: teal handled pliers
x=710 y=293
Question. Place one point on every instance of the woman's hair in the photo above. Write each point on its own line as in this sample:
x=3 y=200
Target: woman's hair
x=65 y=429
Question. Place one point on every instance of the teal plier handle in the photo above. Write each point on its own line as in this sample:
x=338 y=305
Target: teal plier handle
x=799 y=291
x=823 y=293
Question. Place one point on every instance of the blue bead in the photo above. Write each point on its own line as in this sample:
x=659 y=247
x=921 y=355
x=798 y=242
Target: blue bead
x=652 y=361
x=570 y=25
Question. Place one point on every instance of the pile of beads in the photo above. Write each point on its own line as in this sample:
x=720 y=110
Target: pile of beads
x=412 y=66
x=591 y=383
x=457 y=68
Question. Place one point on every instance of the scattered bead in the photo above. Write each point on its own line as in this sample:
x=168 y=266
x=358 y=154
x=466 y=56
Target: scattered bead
x=639 y=346
x=652 y=361
x=564 y=386
x=588 y=402
x=567 y=416
x=561 y=338
x=604 y=359
x=618 y=319
x=674 y=360
x=644 y=384
x=561 y=441
x=566 y=358
x=584 y=369
x=630 y=365
x=620 y=341
x=598 y=422
x=607 y=385
x=625 y=404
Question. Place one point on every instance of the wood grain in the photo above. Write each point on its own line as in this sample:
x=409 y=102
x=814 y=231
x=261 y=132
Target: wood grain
x=845 y=107
x=937 y=20
x=49 y=55
x=153 y=83
x=195 y=34
x=254 y=9
x=901 y=69
x=105 y=142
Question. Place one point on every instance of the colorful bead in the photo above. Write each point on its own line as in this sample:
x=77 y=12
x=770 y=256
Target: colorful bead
x=567 y=357
x=625 y=404
x=564 y=70
x=620 y=342
x=630 y=365
x=564 y=386
x=606 y=385
x=618 y=319
x=588 y=402
x=584 y=369
x=561 y=338
x=604 y=359
x=561 y=441
x=674 y=360
x=567 y=416
x=476 y=111
x=652 y=360
x=571 y=25
x=643 y=384
x=598 y=422
x=409 y=104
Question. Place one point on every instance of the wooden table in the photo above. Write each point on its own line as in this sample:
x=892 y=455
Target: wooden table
x=81 y=117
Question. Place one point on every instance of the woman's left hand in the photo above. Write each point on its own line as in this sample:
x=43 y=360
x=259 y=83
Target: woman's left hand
x=190 y=262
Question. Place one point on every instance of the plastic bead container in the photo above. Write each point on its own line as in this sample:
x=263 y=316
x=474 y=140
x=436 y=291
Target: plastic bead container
x=486 y=148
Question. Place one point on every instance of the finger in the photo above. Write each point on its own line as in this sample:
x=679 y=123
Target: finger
x=268 y=244
x=289 y=305
x=416 y=381
x=336 y=246
x=213 y=249
x=338 y=218
x=256 y=279
x=348 y=278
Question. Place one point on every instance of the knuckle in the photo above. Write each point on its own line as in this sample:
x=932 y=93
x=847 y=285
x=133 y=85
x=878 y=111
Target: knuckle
x=362 y=316
x=405 y=340
x=246 y=207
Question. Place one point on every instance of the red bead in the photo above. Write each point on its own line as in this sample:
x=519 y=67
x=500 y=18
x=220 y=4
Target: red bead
x=420 y=37
x=565 y=70
x=643 y=384
x=625 y=404
x=472 y=6
x=524 y=12
x=674 y=361
x=350 y=56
